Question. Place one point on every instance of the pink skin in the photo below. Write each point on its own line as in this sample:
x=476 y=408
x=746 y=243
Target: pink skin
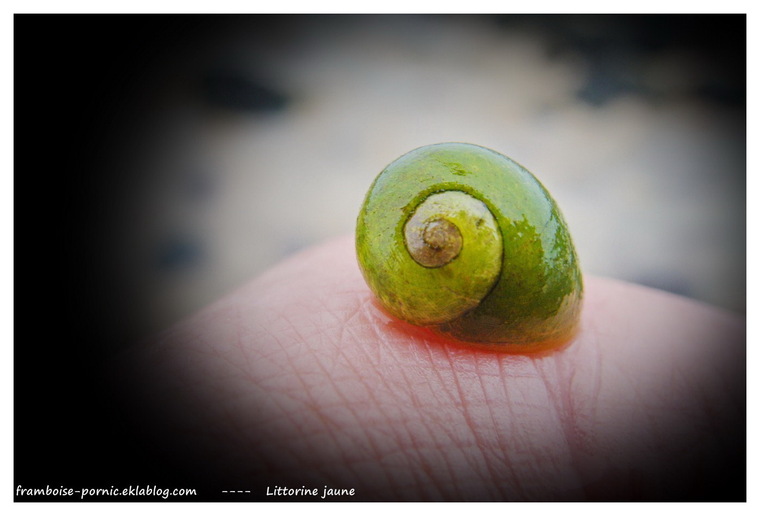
x=299 y=379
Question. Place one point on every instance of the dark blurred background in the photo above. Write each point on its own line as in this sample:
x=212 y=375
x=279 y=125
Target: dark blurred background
x=161 y=161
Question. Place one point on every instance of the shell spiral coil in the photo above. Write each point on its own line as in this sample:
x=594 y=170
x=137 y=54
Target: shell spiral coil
x=462 y=239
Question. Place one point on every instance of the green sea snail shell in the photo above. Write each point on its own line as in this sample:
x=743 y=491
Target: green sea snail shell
x=465 y=241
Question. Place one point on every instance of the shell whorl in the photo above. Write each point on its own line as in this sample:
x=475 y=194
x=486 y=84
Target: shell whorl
x=464 y=240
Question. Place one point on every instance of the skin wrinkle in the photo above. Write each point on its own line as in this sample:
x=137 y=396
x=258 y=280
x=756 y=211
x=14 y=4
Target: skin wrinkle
x=562 y=400
x=420 y=460
x=501 y=445
x=376 y=452
x=513 y=447
x=541 y=454
x=339 y=428
x=333 y=390
x=595 y=335
x=297 y=394
x=470 y=418
x=455 y=429
x=350 y=321
x=562 y=405
x=395 y=436
x=349 y=363
x=414 y=403
x=312 y=405
x=241 y=343
x=284 y=413
x=413 y=400
x=443 y=456
x=451 y=469
x=430 y=410
x=456 y=401
x=511 y=419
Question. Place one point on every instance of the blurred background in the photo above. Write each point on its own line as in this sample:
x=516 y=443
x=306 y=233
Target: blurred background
x=214 y=147
x=162 y=161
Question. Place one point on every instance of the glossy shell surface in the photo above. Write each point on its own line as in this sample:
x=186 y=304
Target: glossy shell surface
x=506 y=275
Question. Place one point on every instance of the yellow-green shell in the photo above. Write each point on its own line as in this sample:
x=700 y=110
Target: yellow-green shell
x=515 y=281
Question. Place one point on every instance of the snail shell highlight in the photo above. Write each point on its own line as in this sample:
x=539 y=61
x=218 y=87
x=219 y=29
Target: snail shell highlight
x=463 y=240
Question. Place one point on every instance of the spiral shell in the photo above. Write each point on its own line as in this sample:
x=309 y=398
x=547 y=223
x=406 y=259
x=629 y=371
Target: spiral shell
x=462 y=239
